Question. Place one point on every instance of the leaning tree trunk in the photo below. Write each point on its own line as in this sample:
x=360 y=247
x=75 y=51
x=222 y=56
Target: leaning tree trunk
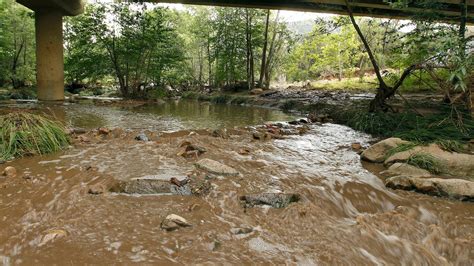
x=384 y=91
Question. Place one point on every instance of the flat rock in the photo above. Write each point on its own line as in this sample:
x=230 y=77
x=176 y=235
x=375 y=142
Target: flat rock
x=378 y=152
x=216 y=168
x=405 y=169
x=451 y=188
x=275 y=200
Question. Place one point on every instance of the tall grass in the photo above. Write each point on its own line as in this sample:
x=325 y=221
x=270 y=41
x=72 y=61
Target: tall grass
x=23 y=134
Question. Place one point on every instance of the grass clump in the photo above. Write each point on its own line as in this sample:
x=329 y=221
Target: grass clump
x=450 y=145
x=425 y=161
x=23 y=134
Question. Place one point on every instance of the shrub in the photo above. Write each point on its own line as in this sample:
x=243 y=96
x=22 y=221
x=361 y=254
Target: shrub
x=24 y=134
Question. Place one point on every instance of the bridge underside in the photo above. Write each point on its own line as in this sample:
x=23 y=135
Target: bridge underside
x=448 y=10
x=49 y=34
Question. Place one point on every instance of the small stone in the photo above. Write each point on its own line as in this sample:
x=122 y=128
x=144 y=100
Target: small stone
x=244 y=152
x=184 y=143
x=262 y=136
x=97 y=189
x=194 y=207
x=9 y=172
x=52 y=235
x=83 y=139
x=312 y=118
x=356 y=146
x=173 y=222
x=103 y=131
x=220 y=133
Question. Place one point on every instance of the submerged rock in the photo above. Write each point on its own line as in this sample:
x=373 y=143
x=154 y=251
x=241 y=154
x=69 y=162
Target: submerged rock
x=405 y=169
x=216 y=168
x=142 y=137
x=173 y=222
x=9 y=172
x=275 y=200
x=52 y=235
x=378 y=152
x=150 y=186
x=452 y=188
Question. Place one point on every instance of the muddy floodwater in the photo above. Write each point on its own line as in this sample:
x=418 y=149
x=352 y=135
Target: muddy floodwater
x=345 y=215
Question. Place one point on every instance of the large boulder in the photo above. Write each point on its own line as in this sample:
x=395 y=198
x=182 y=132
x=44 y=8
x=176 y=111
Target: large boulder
x=452 y=188
x=451 y=163
x=378 y=152
x=405 y=169
x=216 y=168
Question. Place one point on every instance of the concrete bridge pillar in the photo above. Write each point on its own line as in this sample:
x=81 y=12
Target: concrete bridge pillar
x=49 y=54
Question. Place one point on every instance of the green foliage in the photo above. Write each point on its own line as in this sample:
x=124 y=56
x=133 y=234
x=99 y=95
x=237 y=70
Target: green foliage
x=137 y=45
x=24 y=134
x=17 y=45
x=425 y=161
x=408 y=126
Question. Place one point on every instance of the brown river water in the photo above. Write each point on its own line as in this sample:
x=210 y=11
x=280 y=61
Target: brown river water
x=345 y=216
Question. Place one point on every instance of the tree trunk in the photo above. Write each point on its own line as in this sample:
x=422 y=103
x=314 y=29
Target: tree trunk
x=384 y=91
x=462 y=47
x=264 y=52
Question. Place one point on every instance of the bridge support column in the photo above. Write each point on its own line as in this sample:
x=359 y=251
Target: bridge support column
x=49 y=55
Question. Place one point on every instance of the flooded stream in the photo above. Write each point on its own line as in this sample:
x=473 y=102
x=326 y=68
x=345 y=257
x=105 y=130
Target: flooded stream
x=345 y=215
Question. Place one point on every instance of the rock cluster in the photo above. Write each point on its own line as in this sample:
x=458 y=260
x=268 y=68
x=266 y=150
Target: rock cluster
x=457 y=169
